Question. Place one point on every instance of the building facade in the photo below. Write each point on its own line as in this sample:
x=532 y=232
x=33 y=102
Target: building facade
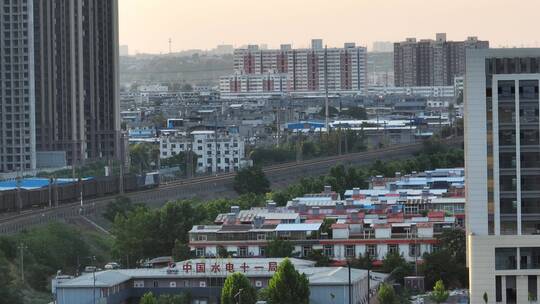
x=17 y=98
x=203 y=279
x=76 y=83
x=402 y=215
x=224 y=153
x=305 y=70
x=502 y=157
x=431 y=62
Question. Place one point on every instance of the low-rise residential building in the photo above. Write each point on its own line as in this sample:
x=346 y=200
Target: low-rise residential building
x=404 y=214
x=221 y=153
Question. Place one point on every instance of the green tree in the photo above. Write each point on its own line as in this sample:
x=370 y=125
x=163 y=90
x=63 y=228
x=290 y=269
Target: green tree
x=332 y=111
x=251 y=180
x=222 y=252
x=238 y=283
x=361 y=262
x=356 y=113
x=319 y=258
x=142 y=156
x=120 y=206
x=386 y=294
x=288 y=286
x=395 y=264
x=448 y=263
x=148 y=298
x=184 y=298
x=181 y=251
x=439 y=293
x=279 y=248
x=8 y=292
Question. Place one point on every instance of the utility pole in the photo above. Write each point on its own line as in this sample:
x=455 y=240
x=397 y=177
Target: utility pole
x=170 y=45
x=350 y=282
x=93 y=259
x=22 y=247
x=368 y=285
x=122 y=162
x=327 y=114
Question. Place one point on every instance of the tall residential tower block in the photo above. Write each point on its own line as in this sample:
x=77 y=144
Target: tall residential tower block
x=502 y=161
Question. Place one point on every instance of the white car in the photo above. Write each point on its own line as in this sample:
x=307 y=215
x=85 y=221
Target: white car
x=112 y=265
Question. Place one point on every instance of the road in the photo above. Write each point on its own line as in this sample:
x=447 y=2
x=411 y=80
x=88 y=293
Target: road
x=219 y=186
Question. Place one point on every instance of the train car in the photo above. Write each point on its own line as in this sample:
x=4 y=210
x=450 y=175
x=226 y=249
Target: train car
x=107 y=185
x=37 y=198
x=67 y=193
x=8 y=200
x=90 y=188
x=130 y=183
x=148 y=180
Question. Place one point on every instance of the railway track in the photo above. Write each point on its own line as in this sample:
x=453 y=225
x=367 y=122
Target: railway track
x=193 y=186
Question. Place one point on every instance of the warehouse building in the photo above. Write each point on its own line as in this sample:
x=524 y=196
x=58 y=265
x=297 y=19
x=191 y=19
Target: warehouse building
x=204 y=278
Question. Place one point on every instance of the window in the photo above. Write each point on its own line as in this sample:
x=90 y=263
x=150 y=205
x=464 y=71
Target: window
x=138 y=284
x=261 y=236
x=371 y=250
x=201 y=237
x=350 y=251
x=414 y=249
x=529 y=258
x=200 y=252
x=243 y=251
x=262 y=251
x=306 y=250
x=533 y=289
x=505 y=258
x=498 y=289
x=328 y=250
x=156 y=284
x=393 y=249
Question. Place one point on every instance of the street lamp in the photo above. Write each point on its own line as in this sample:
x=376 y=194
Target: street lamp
x=93 y=258
x=238 y=295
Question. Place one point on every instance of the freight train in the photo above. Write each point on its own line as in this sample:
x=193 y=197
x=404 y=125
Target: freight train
x=55 y=193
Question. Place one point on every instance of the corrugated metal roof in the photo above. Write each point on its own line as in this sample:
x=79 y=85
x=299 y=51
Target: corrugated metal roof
x=299 y=227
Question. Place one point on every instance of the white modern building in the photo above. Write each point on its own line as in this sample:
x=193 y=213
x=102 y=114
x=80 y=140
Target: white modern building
x=503 y=174
x=224 y=153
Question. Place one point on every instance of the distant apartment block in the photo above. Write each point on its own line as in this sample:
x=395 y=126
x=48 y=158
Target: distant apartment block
x=432 y=62
x=297 y=70
x=502 y=158
x=382 y=47
x=224 y=153
x=17 y=97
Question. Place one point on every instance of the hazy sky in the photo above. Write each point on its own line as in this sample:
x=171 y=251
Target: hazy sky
x=147 y=25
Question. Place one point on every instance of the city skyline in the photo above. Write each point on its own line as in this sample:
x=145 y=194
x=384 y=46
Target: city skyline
x=147 y=26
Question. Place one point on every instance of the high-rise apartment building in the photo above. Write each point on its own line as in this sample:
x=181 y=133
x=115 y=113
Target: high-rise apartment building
x=305 y=70
x=431 y=62
x=502 y=159
x=76 y=51
x=59 y=80
x=17 y=99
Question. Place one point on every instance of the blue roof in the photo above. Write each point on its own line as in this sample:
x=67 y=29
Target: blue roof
x=34 y=183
